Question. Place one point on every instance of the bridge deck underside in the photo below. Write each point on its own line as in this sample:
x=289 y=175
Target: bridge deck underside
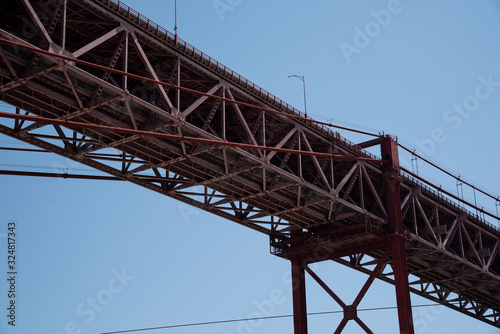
x=452 y=254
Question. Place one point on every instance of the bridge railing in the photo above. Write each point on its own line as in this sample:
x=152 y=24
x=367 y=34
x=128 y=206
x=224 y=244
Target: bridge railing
x=162 y=32
x=459 y=206
x=220 y=68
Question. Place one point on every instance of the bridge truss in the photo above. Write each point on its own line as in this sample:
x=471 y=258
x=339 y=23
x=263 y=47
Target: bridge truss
x=96 y=82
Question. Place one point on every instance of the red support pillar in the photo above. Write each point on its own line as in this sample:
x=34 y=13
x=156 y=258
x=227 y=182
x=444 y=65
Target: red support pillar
x=397 y=240
x=299 y=297
x=351 y=311
x=402 y=286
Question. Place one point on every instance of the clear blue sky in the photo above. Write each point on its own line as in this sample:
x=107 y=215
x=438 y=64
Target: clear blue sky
x=98 y=256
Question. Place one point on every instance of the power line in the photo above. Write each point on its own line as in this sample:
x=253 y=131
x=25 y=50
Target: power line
x=345 y=123
x=206 y=323
x=54 y=168
x=457 y=198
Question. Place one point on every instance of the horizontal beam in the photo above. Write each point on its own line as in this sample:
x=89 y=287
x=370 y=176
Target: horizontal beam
x=218 y=143
x=370 y=143
x=138 y=77
x=61 y=175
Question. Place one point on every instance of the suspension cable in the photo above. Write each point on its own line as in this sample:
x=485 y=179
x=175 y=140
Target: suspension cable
x=448 y=173
x=440 y=189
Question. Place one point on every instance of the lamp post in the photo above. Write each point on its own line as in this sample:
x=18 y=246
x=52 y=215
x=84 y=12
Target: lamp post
x=301 y=77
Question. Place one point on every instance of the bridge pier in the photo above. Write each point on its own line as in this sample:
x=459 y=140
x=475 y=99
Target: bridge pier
x=217 y=147
x=396 y=234
x=390 y=239
x=299 y=297
x=351 y=310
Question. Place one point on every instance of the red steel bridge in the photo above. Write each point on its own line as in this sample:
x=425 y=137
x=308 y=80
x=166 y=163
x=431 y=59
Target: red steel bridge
x=96 y=82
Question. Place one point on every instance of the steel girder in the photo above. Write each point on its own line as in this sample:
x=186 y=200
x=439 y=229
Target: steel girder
x=275 y=193
x=66 y=91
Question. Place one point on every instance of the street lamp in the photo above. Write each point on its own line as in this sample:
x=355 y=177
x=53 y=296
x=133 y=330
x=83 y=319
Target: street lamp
x=301 y=77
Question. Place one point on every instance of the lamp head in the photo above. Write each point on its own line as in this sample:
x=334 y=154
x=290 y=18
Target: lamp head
x=301 y=77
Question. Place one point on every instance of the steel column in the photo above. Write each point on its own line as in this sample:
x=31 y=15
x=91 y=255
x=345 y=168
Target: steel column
x=350 y=311
x=395 y=220
x=299 y=297
x=402 y=286
x=218 y=163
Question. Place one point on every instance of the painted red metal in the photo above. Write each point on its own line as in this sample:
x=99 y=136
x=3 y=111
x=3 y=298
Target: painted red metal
x=350 y=311
x=145 y=79
x=299 y=297
x=397 y=240
x=61 y=175
x=449 y=174
x=22 y=149
x=455 y=197
x=80 y=125
x=392 y=242
x=345 y=202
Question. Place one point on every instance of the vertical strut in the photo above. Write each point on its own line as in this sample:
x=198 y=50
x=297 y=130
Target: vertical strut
x=178 y=91
x=395 y=220
x=125 y=62
x=497 y=204
x=223 y=130
x=460 y=190
x=414 y=158
x=63 y=27
x=299 y=297
x=402 y=286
